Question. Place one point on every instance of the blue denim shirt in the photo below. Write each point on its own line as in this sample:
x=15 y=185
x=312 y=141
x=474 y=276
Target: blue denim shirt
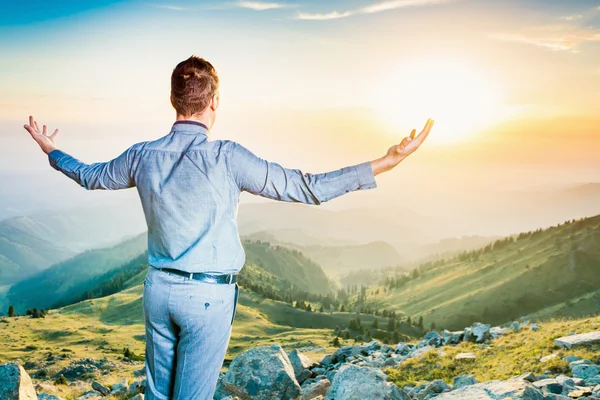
x=189 y=189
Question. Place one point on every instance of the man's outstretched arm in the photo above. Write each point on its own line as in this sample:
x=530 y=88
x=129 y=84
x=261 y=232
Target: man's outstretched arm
x=269 y=179
x=111 y=175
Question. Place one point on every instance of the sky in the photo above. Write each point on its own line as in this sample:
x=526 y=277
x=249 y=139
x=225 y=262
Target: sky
x=513 y=85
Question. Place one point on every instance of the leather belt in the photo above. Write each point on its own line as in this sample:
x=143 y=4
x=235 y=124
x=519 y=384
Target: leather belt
x=204 y=276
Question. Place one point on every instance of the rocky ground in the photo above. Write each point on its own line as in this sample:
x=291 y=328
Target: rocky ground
x=352 y=372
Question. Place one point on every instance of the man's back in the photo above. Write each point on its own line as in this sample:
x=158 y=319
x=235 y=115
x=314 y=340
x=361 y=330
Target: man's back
x=190 y=201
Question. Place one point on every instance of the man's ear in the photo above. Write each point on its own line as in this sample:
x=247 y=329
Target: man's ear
x=214 y=101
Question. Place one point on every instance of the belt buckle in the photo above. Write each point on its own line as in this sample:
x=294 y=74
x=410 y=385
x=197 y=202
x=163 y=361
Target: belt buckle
x=229 y=279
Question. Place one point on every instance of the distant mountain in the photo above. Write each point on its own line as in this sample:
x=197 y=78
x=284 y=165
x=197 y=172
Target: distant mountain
x=66 y=281
x=29 y=244
x=514 y=276
x=295 y=237
x=354 y=225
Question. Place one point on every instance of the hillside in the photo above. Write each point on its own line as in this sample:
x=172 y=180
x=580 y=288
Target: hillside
x=518 y=275
x=29 y=244
x=65 y=282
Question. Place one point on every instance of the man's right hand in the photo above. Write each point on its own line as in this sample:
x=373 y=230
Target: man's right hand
x=399 y=152
x=45 y=141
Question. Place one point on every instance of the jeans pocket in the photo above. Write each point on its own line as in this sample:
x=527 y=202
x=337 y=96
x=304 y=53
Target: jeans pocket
x=235 y=301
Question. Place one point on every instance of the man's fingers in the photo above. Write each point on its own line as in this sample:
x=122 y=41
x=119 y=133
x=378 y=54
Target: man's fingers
x=54 y=134
x=45 y=130
x=31 y=122
x=412 y=133
x=425 y=130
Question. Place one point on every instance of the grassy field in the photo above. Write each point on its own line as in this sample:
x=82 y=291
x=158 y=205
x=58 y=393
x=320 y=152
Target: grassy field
x=496 y=285
x=512 y=354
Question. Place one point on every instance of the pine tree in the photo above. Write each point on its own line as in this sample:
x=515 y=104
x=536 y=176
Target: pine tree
x=11 y=311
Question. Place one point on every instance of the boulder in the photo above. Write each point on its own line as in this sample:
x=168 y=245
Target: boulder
x=100 y=387
x=481 y=332
x=46 y=396
x=465 y=356
x=348 y=351
x=262 y=373
x=314 y=389
x=464 y=380
x=354 y=382
x=582 y=339
x=120 y=387
x=585 y=372
x=90 y=395
x=300 y=363
x=549 y=386
x=511 y=389
x=433 y=388
x=15 y=383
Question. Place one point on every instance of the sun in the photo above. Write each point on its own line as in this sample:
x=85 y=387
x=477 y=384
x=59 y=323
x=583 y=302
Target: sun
x=458 y=96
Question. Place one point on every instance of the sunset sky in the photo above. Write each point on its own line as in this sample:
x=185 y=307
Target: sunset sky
x=513 y=85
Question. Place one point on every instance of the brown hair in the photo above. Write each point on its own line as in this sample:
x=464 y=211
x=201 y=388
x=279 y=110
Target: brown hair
x=193 y=83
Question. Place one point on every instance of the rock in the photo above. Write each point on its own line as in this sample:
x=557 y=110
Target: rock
x=15 y=383
x=452 y=337
x=549 y=386
x=262 y=373
x=303 y=375
x=570 y=359
x=326 y=360
x=354 y=382
x=120 y=387
x=318 y=388
x=300 y=363
x=465 y=356
x=585 y=371
x=137 y=386
x=221 y=392
x=552 y=396
x=46 y=387
x=464 y=380
x=515 y=326
x=575 y=394
x=140 y=372
x=583 y=339
x=46 y=396
x=100 y=387
x=496 y=331
x=511 y=389
x=528 y=376
x=421 y=351
x=548 y=357
x=138 y=396
x=481 y=332
x=90 y=395
x=434 y=387
x=348 y=351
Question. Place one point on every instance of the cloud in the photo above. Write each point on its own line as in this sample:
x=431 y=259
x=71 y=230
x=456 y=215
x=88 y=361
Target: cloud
x=321 y=17
x=260 y=6
x=170 y=7
x=556 y=37
x=371 y=9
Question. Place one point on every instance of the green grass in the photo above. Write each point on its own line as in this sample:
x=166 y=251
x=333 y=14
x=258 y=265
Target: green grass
x=498 y=285
x=512 y=354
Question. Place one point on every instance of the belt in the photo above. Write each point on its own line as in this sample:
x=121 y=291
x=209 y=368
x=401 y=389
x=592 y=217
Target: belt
x=204 y=276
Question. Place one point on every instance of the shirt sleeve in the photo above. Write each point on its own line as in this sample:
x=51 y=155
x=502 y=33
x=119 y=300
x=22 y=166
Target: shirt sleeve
x=110 y=175
x=269 y=179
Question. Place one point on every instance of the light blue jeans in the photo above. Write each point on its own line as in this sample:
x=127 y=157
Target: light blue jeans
x=188 y=326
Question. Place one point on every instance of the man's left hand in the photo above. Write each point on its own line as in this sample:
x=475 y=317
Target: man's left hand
x=46 y=142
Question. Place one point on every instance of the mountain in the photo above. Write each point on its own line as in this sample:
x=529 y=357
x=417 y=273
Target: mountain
x=66 y=281
x=29 y=244
x=514 y=276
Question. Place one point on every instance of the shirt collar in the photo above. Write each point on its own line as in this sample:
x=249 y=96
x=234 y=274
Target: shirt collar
x=188 y=126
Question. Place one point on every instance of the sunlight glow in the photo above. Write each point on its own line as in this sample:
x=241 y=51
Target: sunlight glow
x=460 y=99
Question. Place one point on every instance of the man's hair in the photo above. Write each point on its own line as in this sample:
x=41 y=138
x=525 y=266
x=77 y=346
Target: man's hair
x=193 y=83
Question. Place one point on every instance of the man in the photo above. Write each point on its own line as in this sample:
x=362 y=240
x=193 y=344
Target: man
x=189 y=189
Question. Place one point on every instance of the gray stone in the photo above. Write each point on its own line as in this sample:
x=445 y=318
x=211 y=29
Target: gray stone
x=585 y=371
x=481 y=332
x=354 y=382
x=513 y=389
x=299 y=361
x=90 y=395
x=465 y=356
x=549 y=386
x=262 y=373
x=120 y=387
x=138 y=396
x=326 y=360
x=318 y=388
x=464 y=380
x=303 y=375
x=434 y=387
x=348 y=351
x=15 y=383
x=46 y=396
x=582 y=339
x=548 y=357
x=100 y=388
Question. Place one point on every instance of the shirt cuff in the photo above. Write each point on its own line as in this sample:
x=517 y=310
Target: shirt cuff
x=366 y=178
x=54 y=156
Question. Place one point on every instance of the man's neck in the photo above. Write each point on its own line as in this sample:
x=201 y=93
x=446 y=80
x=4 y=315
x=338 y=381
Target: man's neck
x=203 y=119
